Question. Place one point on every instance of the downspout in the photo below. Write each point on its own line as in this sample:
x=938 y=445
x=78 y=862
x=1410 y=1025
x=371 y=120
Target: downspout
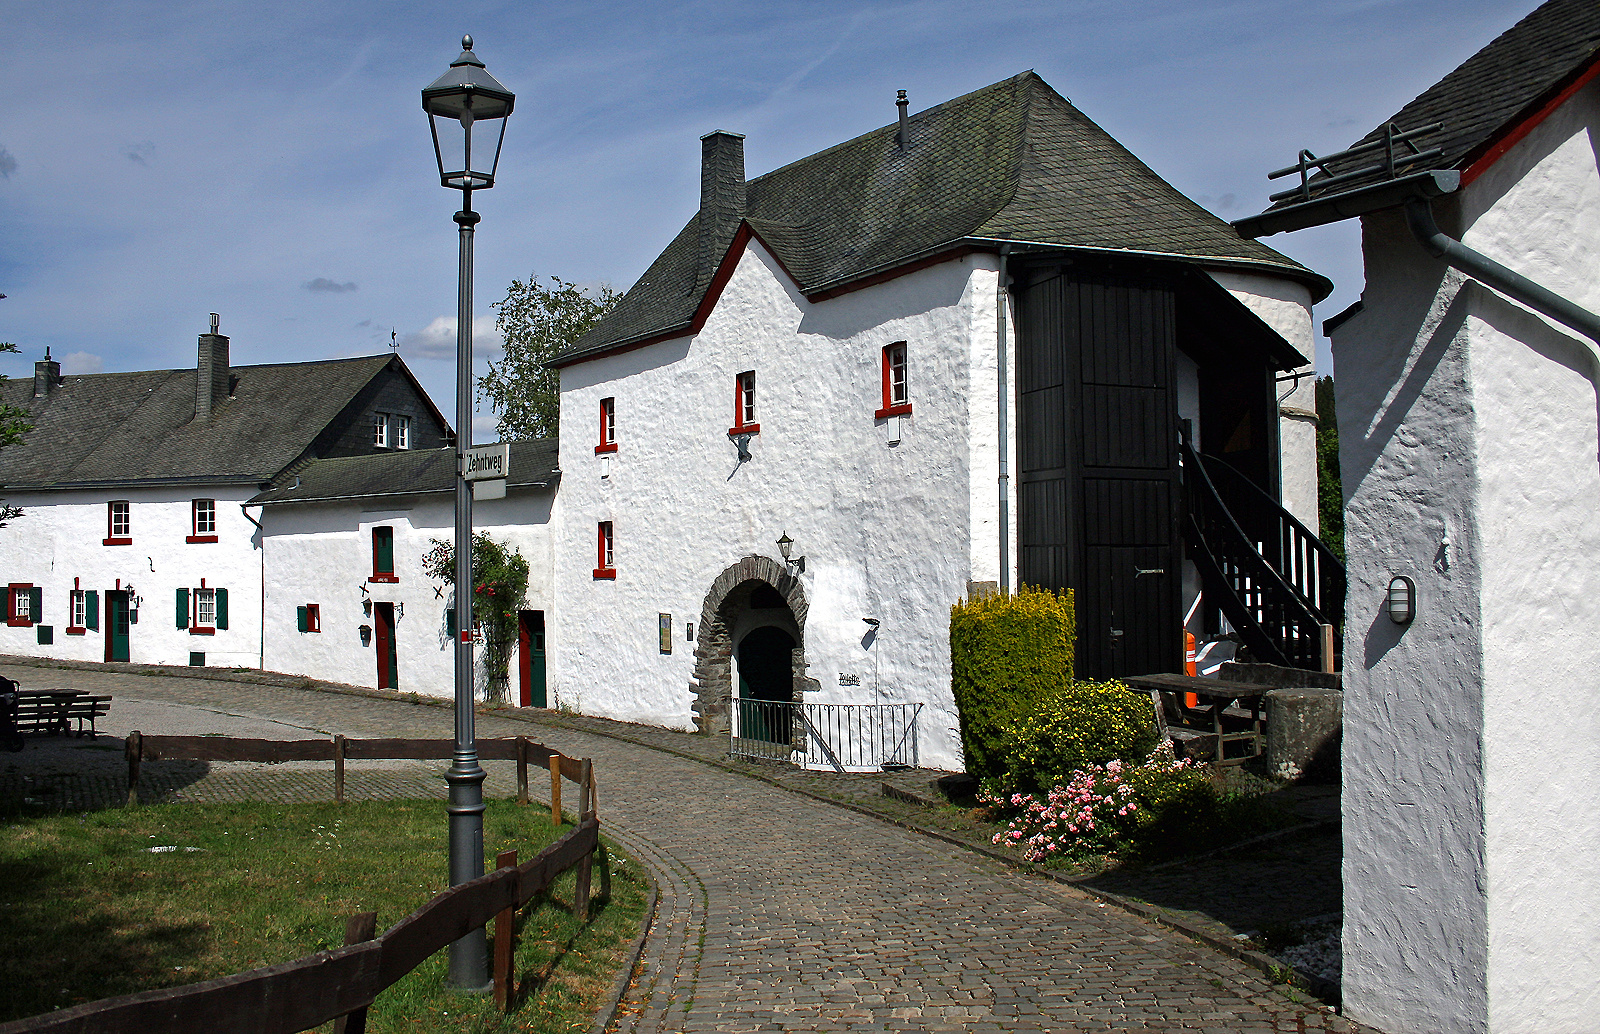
x=1004 y=394
x=1419 y=217
x=261 y=663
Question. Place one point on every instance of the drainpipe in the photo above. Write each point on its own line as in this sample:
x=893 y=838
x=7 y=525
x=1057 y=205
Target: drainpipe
x=261 y=663
x=1419 y=217
x=1004 y=400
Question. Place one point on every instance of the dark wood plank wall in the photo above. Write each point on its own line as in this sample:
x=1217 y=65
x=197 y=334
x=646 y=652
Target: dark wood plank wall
x=1098 y=488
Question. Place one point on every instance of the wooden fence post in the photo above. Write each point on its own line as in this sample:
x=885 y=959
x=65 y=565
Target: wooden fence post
x=133 y=748
x=504 y=924
x=1327 y=649
x=555 y=789
x=580 y=891
x=338 y=768
x=522 y=770
x=358 y=928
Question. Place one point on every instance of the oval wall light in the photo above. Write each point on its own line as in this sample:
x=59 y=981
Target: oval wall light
x=1402 y=602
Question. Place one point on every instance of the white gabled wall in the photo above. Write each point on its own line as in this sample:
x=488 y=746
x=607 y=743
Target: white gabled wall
x=322 y=553
x=888 y=531
x=60 y=539
x=1472 y=465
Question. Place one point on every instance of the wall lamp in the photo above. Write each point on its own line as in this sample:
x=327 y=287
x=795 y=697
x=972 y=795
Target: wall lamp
x=1402 y=601
x=786 y=547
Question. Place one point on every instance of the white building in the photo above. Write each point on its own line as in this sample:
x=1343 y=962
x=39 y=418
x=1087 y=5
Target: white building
x=134 y=544
x=1471 y=466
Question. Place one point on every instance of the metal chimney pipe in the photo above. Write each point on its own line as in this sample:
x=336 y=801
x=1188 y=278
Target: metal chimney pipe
x=904 y=138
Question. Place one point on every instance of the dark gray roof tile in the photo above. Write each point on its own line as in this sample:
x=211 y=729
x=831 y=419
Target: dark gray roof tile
x=419 y=472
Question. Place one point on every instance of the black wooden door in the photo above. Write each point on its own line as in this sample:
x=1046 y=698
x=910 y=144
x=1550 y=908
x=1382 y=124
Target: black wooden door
x=1097 y=465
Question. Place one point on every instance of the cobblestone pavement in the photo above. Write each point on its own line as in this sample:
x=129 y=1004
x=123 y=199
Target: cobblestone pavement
x=776 y=912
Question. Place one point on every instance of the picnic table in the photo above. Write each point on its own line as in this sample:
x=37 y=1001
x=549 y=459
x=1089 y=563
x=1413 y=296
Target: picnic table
x=54 y=711
x=1204 y=716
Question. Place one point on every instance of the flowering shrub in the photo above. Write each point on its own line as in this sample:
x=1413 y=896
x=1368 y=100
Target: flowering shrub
x=1082 y=725
x=500 y=576
x=1109 y=807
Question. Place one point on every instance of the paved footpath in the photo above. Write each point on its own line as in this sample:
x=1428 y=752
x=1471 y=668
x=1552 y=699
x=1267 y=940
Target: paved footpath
x=777 y=912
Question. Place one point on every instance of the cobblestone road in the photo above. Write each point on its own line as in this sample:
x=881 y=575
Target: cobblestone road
x=777 y=912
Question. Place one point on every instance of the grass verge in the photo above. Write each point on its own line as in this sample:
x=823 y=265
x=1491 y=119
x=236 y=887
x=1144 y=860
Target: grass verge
x=91 y=911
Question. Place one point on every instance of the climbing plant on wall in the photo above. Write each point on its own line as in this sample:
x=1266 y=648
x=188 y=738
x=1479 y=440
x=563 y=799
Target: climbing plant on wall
x=500 y=588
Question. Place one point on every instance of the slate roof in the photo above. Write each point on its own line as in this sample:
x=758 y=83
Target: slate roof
x=417 y=472
x=1494 y=90
x=1014 y=161
x=118 y=428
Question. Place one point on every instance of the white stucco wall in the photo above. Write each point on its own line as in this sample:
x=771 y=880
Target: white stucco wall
x=893 y=532
x=1285 y=306
x=322 y=553
x=1471 y=464
x=58 y=544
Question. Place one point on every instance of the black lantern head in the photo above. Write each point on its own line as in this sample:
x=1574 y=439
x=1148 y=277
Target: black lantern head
x=467 y=94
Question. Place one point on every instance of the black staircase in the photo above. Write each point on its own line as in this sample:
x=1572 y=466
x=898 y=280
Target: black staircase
x=1273 y=579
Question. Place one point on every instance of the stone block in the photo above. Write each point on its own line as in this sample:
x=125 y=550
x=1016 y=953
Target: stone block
x=1304 y=725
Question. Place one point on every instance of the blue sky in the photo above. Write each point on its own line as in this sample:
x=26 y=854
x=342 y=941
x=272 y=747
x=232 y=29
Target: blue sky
x=271 y=161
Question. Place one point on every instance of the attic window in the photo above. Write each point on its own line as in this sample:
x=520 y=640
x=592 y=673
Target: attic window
x=402 y=432
x=380 y=430
x=744 y=404
x=896 y=385
x=119 y=524
x=203 y=524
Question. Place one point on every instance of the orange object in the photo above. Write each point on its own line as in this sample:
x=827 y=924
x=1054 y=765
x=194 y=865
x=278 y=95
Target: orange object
x=1189 y=667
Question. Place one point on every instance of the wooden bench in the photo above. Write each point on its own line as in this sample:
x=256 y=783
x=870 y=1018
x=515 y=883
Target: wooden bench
x=1227 y=713
x=54 y=711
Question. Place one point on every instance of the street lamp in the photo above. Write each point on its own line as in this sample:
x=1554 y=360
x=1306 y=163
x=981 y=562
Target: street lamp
x=467 y=94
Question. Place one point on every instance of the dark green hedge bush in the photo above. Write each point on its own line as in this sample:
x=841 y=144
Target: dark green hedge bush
x=1007 y=653
x=1080 y=724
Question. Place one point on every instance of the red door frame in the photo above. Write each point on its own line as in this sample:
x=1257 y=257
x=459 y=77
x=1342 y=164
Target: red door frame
x=383 y=639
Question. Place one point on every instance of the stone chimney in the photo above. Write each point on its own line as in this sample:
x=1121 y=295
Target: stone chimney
x=721 y=194
x=211 y=375
x=46 y=375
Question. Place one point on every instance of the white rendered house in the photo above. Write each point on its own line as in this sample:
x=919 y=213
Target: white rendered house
x=937 y=359
x=1468 y=380
x=134 y=543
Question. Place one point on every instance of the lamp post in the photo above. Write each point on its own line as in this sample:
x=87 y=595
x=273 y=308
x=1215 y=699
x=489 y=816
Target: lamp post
x=467 y=94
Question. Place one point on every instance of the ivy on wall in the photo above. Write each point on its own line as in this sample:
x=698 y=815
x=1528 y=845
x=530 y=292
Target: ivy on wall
x=500 y=590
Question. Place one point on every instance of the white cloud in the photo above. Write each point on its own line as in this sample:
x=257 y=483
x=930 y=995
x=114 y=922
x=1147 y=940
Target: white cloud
x=81 y=362
x=438 y=339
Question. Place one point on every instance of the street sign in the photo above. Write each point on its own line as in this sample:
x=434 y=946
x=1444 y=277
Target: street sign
x=488 y=462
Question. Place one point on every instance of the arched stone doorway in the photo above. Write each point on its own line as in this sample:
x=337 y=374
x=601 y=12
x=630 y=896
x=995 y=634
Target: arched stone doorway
x=754 y=594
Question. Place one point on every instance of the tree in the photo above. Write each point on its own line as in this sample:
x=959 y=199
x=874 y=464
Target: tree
x=13 y=425
x=538 y=322
x=1330 y=493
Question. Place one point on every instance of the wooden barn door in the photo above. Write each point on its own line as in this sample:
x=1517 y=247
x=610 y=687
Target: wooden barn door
x=1097 y=466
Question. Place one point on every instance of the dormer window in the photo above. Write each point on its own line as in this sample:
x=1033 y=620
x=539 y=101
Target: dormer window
x=380 y=430
x=608 y=426
x=896 y=386
x=402 y=432
x=744 y=404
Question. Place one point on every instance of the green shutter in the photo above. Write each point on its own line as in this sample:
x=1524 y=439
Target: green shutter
x=91 y=610
x=383 y=551
x=450 y=622
x=222 y=608
x=183 y=608
x=37 y=594
x=300 y=618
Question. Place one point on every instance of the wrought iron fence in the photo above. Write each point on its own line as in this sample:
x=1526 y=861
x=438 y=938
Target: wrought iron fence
x=843 y=737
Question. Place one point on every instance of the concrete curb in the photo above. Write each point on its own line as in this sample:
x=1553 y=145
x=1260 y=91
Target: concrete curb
x=1321 y=989
x=619 y=987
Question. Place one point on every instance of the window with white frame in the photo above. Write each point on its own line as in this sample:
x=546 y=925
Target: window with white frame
x=402 y=432
x=80 y=609
x=896 y=383
x=608 y=557
x=204 y=520
x=119 y=523
x=744 y=404
x=608 y=426
x=204 y=610
x=380 y=430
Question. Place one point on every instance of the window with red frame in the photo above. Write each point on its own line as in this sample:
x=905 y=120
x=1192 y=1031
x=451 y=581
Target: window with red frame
x=608 y=557
x=608 y=426
x=203 y=521
x=119 y=523
x=202 y=611
x=896 y=387
x=24 y=600
x=383 y=555
x=744 y=404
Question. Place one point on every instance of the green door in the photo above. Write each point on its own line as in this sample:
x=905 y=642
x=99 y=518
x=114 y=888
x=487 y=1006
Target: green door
x=116 y=626
x=530 y=654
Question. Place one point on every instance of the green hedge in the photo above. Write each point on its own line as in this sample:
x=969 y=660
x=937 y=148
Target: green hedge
x=1007 y=653
x=1082 y=723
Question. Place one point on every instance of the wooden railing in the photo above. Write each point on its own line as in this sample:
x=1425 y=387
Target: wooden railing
x=340 y=984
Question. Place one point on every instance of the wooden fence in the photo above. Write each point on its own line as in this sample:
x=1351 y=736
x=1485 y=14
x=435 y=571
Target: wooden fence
x=342 y=983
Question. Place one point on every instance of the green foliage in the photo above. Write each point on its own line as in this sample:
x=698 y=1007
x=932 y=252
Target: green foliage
x=500 y=589
x=1181 y=810
x=1081 y=724
x=1330 y=493
x=1007 y=652
x=537 y=322
x=13 y=425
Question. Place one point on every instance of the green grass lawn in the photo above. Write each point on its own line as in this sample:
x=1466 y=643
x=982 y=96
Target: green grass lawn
x=90 y=911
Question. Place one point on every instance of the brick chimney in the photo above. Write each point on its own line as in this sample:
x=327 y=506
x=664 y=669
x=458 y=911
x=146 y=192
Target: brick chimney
x=721 y=194
x=211 y=375
x=46 y=375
